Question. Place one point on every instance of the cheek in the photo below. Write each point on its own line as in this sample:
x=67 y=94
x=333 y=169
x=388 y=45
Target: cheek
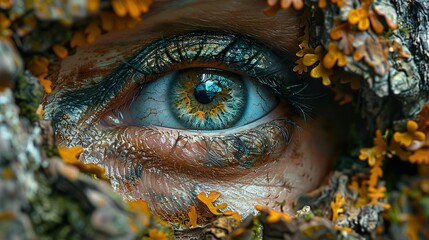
x=309 y=157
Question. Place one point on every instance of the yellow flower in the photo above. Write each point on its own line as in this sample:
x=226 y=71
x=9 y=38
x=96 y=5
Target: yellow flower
x=210 y=199
x=155 y=234
x=334 y=56
x=410 y=135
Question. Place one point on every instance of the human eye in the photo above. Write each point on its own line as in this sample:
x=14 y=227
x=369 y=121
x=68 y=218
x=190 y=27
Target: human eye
x=169 y=117
x=206 y=82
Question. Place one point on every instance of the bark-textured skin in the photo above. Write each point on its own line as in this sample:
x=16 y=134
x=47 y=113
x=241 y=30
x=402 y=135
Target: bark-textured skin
x=40 y=196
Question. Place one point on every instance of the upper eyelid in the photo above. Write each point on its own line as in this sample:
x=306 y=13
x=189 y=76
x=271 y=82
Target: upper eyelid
x=112 y=84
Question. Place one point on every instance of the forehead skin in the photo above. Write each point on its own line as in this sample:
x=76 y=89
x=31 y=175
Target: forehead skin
x=167 y=18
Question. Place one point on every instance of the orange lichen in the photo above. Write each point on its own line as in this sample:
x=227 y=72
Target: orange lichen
x=420 y=156
x=38 y=65
x=6 y=4
x=334 y=56
x=341 y=97
x=233 y=214
x=286 y=4
x=142 y=208
x=60 y=51
x=375 y=153
x=337 y=206
x=319 y=71
x=132 y=8
x=92 y=31
x=412 y=133
x=360 y=17
x=273 y=216
x=193 y=216
x=46 y=83
x=78 y=39
x=209 y=200
x=92 y=5
x=71 y=156
x=155 y=234
x=4 y=26
x=6 y=215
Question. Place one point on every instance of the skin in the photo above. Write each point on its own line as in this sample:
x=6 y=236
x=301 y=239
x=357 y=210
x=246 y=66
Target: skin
x=169 y=167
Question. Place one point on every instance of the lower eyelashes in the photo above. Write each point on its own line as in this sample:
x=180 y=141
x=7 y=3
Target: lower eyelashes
x=218 y=156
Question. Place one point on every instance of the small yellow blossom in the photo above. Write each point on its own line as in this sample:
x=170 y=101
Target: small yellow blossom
x=406 y=138
x=155 y=234
x=210 y=199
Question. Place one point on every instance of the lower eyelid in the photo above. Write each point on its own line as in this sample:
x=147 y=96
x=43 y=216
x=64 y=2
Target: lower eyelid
x=199 y=154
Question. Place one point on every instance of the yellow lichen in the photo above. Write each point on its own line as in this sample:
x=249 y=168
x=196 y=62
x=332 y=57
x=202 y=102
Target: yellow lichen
x=412 y=133
x=132 y=8
x=273 y=216
x=319 y=71
x=60 y=51
x=209 y=200
x=337 y=206
x=156 y=234
x=193 y=216
x=334 y=56
x=71 y=156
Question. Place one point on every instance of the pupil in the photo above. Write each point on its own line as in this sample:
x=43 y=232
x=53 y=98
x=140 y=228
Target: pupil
x=206 y=91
